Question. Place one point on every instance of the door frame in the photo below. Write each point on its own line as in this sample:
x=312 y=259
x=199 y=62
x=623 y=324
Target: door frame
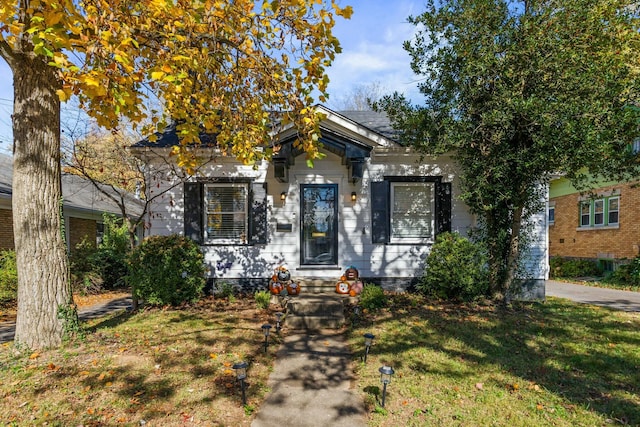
x=333 y=238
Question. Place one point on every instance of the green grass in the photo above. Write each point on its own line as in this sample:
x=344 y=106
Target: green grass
x=543 y=364
x=600 y=283
x=163 y=367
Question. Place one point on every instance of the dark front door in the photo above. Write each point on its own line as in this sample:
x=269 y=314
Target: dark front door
x=319 y=213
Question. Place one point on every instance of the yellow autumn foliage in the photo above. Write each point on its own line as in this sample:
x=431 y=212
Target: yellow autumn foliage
x=215 y=64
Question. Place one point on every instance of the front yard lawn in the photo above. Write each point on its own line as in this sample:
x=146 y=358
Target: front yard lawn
x=545 y=364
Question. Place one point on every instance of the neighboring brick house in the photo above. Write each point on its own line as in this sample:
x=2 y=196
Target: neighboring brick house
x=601 y=224
x=83 y=207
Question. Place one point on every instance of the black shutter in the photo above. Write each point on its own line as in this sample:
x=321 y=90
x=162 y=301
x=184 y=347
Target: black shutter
x=380 y=212
x=443 y=208
x=193 y=211
x=258 y=219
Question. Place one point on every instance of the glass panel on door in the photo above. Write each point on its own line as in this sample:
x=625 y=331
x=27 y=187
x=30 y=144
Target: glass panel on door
x=319 y=213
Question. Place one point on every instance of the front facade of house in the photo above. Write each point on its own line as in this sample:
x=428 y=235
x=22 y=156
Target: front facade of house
x=370 y=203
x=599 y=225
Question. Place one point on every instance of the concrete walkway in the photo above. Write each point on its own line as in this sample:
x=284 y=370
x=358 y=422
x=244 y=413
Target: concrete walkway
x=612 y=298
x=8 y=329
x=311 y=385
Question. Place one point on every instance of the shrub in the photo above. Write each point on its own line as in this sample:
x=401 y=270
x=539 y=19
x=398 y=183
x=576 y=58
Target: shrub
x=103 y=267
x=627 y=274
x=85 y=275
x=263 y=298
x=225 y=290
x=111 y=256
x=456 y=269
x=372 y=297
x=167 y=270
x=568 y=268
x=8 y=277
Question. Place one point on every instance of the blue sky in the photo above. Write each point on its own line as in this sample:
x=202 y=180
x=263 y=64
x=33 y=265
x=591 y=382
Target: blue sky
x=372 y=52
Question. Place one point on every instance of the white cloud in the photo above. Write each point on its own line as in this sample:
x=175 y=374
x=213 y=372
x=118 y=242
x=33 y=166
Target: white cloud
x=372 y=49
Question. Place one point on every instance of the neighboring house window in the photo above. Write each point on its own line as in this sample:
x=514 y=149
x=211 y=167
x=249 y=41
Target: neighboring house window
x=413 y=209
x=552 y=214
x=614 y=210
x=600 y=212
x=409 y=209
x=585 y=214
x=99 y=233
x=225 y=210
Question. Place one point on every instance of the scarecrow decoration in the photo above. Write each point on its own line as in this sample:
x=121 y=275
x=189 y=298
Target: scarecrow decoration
x=350 y=283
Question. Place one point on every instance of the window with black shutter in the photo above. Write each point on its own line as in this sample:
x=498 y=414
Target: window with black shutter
x=226 y=213
x=409 y=209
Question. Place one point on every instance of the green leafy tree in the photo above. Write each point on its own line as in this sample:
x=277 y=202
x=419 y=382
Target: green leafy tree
x=516 y=91
x=217 y=65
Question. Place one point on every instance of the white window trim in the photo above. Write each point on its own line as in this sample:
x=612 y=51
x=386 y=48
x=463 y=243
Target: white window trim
x=426 y=239
x=609 y=210
x=605 y=213
x=226 y=241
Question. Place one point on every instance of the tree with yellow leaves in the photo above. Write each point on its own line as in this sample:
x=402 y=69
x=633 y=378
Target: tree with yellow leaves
x=220 y=66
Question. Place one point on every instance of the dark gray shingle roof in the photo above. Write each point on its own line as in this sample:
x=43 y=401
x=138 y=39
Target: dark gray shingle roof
x=373 y=120
x=78 y=192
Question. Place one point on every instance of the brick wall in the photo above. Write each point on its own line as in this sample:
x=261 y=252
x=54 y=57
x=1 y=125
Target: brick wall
x=565 y=239
x=79 y=229
x=6 y=229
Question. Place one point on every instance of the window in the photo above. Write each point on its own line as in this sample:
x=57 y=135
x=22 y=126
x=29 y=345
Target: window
x=600 y=212
x=229 y=212
x=412 y=213
x=552 y=214
x=614 y=210
x=225 y=209
x=409 y=209
x=585 y=214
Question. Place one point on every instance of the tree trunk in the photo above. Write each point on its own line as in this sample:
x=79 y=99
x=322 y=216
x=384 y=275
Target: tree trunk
x=45 y=302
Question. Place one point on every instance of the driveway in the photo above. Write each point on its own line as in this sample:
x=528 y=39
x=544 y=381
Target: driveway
x=611 y=298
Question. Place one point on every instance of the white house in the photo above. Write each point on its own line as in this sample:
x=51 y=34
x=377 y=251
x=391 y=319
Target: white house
x=371 y=203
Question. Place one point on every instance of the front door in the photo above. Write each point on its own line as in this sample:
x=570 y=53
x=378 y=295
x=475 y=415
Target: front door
x=319 y=216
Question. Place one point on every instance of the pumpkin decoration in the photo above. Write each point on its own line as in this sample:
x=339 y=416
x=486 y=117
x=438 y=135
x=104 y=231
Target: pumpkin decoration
x=342 y=287
x=357 y=287
x=283 y=275
x=275 y=287
x=351 y=273
x=352 y=293
x=343 y=278
x=293 y=288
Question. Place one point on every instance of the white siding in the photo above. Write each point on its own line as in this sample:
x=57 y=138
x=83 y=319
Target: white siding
x=283 y=248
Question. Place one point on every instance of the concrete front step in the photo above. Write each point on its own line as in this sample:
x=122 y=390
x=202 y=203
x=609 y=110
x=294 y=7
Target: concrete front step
x=315 y=312
x=318 y=285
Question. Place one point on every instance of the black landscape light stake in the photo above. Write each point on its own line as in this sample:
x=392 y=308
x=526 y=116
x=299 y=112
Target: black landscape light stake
x=385 y=378
x=266 y=328
x=368 y=339
x=278 y=319
x=241 y=374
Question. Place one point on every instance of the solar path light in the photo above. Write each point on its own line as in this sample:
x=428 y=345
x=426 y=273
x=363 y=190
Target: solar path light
x=265 y=329
x=241 y=375
x=386 y=372
x=368 y=339
x=278 y=320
